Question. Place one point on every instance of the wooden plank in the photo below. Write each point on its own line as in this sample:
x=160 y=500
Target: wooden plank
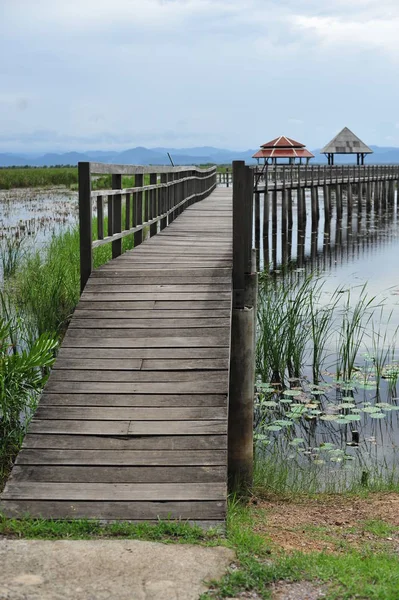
x=97 y=376
x=78 y=474
x=150 y=400
x=50 y=441
x=165 y=323
x=143 y=353
x=110 y=271
x=126 y=511
x=122 y=457
x=218 y=333
x=184 y=279
x=134 y=427
x=103 y=296
x=157 y=304
x=86 y=413
x=154 y=387
x=90 y=341
x=155 y=313
x=103 y=492
x=110 y=364
x=99 y=288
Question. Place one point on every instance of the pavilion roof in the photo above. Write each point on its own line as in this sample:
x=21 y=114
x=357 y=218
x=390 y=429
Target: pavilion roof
x=283 y=153
x=346 y=142
x=283 y=142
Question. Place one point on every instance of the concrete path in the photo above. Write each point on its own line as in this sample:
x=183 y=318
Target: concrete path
x=105 y=570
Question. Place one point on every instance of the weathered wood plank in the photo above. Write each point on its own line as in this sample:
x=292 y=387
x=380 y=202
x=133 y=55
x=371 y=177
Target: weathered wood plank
x=126 y=511
x=166 y=323
x=137 y=376
x=160 y=400
x=109 y=364
x=176 y=305
x=131 y=458
x=78 y=474
x=124 y=288
x=143 y=353
x=49 y=441
x=103 y=492
x=217 y=333
x=171 y=341
x=149 y=280
x=133 y=427
x=132 y=414
x=182 y=295
x=154 y=387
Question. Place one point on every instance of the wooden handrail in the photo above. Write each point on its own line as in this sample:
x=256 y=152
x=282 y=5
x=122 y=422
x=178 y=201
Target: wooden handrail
x=145 y=205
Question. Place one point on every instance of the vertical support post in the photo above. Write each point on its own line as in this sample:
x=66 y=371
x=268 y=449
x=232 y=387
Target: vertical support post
x=163 y=203
x=153 y=204
x=138 y=182
x=117 y=227
x=85 y=223
x=242 y=353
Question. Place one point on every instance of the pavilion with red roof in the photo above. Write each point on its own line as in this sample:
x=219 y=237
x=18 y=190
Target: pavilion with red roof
x=283 y=148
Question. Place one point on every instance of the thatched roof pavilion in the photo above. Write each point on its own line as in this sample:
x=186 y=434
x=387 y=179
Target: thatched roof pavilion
x=346 y=142
x=283 y=147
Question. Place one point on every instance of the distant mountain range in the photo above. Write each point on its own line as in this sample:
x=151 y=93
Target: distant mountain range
x=180 y=156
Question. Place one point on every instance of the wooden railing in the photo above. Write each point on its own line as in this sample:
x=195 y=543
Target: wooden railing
x=308 y=175
x=225 y=177
x=159 y=194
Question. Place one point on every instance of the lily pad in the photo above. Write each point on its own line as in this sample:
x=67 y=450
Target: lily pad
x=377 y=415
x=292 y=392
x=269 y=404
x=274 y=428
x=353 y=417
x=329 y=417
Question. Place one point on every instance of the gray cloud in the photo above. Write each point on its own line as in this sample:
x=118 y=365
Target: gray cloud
x=220 y=72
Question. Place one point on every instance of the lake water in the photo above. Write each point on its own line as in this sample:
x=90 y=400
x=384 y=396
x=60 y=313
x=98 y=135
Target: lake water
x=338 y=430
x=36 y=213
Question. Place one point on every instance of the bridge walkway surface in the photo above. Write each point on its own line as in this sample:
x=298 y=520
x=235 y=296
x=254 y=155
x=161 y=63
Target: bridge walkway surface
x=132 y=424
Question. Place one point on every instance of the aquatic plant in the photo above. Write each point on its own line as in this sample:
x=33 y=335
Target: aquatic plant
x=11 y=252
x=23 y=373
x=317 y=419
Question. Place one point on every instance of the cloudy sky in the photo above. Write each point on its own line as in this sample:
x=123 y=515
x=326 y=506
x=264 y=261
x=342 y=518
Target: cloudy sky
x=113 y=74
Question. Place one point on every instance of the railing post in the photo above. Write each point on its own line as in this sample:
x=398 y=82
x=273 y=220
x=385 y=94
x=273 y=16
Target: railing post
x=85 y=223
x=163 y=201
x=117 y=226
x=153 y=204
x=242 y=353
x=138 y=182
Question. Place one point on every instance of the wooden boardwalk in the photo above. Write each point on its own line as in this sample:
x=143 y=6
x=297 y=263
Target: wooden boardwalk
x=132 y=424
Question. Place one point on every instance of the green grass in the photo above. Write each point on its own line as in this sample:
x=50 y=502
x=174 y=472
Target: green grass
x=45 y=287
x=165 y=531
x=346 y=575
x=23 y=177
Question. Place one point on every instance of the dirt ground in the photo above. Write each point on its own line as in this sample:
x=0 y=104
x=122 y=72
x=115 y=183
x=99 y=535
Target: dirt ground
x=330 y=523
